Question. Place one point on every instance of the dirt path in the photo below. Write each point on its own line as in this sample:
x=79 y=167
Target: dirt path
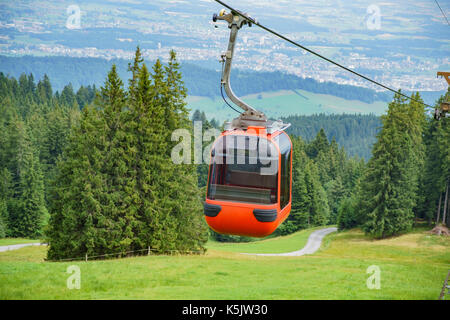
x=18 y=246
x=313 y=244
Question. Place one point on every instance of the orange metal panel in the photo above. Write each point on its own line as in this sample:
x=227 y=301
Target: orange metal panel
x=237 y=218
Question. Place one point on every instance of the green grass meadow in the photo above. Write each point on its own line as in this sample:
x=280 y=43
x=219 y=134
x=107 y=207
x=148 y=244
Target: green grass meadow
x=12 y=241
x=413 y=266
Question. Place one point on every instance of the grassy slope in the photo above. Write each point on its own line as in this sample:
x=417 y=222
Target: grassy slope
x=11 y=241
x=287 y=102
x=413 y=266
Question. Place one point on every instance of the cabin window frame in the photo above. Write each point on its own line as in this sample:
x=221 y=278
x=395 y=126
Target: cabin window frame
x=234 y=189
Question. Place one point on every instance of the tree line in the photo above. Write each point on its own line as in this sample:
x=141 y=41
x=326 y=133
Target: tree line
x=90 y=171
x=100 y=180
x=355 y=132
x=407 y=176
x=34 y=126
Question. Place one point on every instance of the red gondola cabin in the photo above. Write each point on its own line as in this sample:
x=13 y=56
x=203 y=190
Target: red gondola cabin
x=249 y=182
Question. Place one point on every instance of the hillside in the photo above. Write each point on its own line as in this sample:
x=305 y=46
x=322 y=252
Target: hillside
x=404 y=51
x=204 y=82
x=200 y=81
x=413 y=266
x=285 y=103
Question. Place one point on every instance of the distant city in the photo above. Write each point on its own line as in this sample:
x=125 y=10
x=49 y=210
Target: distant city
x=404 y=51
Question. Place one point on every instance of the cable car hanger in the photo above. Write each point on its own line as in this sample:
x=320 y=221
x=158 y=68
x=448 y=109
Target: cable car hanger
x=250 y=117
x=244 y=18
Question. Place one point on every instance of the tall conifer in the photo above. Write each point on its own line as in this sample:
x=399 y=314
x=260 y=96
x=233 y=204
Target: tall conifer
x=390 y=184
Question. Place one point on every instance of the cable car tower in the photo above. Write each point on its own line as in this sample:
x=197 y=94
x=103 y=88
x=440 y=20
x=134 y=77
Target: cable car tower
x=444 y=109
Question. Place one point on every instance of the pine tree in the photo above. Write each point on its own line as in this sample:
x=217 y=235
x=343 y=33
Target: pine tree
x=319 y=144
x=5 y=197
x=176 y=113
x=116 y=204
x=76 y=217
x=146 y=133
x=346 y=214
x=89 y=195
x=168 y=210
x=28 y=213
x=391 y=181
x=68 y=97
x=431 y=179
x=318 y=207
x=353 y=170
x=44 y=90
x=335 y=193
x=135 y=70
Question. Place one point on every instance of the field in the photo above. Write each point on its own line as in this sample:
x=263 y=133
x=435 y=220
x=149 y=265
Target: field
x=285 y=103
x=12 y=241
x=413 y=266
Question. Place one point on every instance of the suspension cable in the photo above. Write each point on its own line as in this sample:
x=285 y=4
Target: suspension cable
x=255 y=22
x=443 y=13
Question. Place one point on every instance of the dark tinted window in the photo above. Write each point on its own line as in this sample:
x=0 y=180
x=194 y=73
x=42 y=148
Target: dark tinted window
x=243 y=169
